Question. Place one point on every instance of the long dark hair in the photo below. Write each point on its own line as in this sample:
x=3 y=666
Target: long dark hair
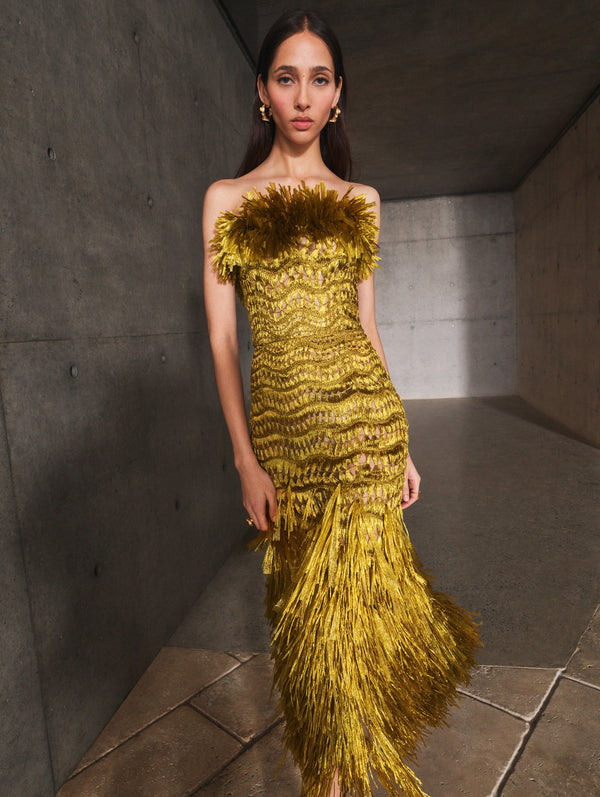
x=335 y=147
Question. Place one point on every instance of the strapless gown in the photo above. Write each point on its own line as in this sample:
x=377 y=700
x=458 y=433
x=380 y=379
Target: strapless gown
x=367 y=656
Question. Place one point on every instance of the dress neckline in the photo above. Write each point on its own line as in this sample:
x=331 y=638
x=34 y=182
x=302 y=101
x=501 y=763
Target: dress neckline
x=268 y=223
x=273 y=190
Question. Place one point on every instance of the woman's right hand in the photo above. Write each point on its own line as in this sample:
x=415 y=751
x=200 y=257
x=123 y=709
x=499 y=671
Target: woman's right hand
x=258 y=493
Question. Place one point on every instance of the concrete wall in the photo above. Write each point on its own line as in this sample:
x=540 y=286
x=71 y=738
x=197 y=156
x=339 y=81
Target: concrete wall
x=445 y=296
x=118 y=497
x=558 y=280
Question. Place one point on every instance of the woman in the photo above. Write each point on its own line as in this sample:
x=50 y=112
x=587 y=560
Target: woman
x=366 y=655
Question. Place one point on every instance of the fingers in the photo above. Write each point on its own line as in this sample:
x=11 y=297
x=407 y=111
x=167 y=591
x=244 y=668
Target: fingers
x=411 y=486
x=409 y=501
x=264 y=512
x=259 y=495
x=258 y=518
x=272 y=503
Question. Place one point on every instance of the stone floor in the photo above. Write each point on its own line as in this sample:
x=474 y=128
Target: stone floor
x=201 y=722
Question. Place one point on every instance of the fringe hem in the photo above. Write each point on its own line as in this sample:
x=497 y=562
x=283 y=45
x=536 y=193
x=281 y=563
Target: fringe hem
x=367 y=655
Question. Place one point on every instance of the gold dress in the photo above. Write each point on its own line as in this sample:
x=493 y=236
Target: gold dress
x=366 y=655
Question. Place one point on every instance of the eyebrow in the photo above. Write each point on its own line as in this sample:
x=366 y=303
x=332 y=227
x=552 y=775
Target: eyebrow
x=288 y=68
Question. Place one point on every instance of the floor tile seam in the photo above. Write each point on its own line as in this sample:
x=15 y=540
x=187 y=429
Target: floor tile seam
x=510 y=764
x=235 y=656
x=232 y=654
x=136 y=733
x=184 y=702
x=245 y=742
x=515 y=667
x=586 y=629
x=244 y=749
x=220 y=677
x=490 y=703
x=218 y=723
x=581 y=682
x=237 y=664
x=558 y=671
x=510 y=767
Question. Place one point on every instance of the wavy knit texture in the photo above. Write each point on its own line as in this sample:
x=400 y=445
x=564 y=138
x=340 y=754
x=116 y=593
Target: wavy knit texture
x=367 y=655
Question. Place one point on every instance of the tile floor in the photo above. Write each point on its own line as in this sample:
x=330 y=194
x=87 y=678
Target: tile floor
x=200 y=721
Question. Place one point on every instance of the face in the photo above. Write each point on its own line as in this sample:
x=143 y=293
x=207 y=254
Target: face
x=301 y=87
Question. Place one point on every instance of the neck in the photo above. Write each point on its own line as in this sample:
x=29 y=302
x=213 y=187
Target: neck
x=295 y=163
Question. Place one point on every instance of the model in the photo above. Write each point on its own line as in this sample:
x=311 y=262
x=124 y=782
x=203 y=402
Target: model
x=366 y=655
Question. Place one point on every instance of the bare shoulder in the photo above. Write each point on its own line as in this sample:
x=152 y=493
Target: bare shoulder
x=224 y=195
x=371 y=194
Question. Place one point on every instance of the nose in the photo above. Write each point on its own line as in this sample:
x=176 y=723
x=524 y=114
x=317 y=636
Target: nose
x=302 y=101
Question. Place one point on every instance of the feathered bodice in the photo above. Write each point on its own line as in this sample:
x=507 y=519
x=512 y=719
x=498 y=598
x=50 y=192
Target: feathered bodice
x=296 y=256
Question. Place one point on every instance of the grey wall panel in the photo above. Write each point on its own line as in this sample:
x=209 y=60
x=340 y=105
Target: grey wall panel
x=24 y=757
x=125 y=486
x=116 y=117
x=446 y=293
x=558 y=280
x=128 y=123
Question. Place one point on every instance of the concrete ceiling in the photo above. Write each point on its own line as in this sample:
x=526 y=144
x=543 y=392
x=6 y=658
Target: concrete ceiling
x=452 y=96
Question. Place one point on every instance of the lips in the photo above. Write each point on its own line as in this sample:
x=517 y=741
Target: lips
x=302 y=122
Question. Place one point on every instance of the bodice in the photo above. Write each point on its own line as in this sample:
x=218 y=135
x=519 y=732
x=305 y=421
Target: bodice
x=296 y=256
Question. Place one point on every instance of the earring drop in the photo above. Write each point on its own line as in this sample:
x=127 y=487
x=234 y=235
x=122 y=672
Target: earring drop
x=336 y=112
x=265 y=113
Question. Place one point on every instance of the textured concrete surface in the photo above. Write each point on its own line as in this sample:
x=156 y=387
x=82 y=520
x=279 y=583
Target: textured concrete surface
x=170 y=757
x=24 y=759
x=518 y=690
x=558 y=280
x=173 y=678
x=115 y=117
x=508 y=522
x=585 y=662
x=470 y=756
x=258 y=773
x=243 y=626
x=486 y=750
x=454 y=97
x=561 y=758
x=445 y=295
x=243 y=702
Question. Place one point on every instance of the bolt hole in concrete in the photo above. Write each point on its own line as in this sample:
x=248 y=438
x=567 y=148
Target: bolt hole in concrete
x=51 y=154
x=74 y=371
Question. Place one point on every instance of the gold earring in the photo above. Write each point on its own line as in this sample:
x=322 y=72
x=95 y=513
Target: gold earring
x=336 y=112
x=265 y=113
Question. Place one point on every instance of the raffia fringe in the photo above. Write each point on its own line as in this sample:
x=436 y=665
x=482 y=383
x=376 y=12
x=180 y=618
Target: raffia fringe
x=367 y=656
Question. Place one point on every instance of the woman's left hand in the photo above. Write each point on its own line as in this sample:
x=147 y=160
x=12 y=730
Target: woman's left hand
x=412 y=484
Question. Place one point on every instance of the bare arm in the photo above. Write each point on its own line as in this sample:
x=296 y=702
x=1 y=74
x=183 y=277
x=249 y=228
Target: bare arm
x=258 y=491
x=366 y=312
